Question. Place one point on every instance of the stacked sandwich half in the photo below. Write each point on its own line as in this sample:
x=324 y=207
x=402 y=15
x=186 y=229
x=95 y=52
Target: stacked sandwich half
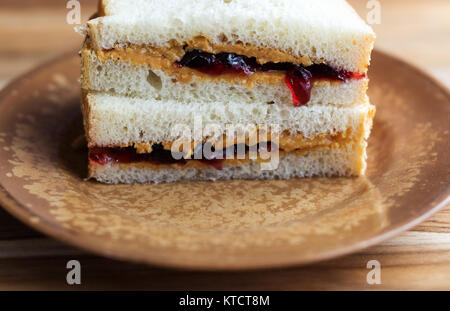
x=292 y=72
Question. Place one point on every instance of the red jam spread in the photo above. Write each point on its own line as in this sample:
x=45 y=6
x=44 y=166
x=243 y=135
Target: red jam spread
x=299 y=82
x=160 y=156
x=299 y=78
x=104 y=156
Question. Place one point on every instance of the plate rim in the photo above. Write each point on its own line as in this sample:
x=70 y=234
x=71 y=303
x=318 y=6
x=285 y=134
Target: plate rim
x=24 y=214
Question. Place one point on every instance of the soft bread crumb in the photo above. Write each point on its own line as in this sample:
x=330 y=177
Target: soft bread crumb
x=122 y=121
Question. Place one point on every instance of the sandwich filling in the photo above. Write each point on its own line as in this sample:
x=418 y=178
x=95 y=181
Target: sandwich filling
x=234 y=152
x=297 y=77
x=232 y=63
x=161 y=158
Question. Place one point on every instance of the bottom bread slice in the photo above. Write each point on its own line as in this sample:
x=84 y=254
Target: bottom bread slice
x=348 y=160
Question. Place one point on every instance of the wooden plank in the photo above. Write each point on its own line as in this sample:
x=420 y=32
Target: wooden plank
x=347 y=273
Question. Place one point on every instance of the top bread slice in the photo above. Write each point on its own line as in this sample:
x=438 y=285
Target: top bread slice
x=325 y=31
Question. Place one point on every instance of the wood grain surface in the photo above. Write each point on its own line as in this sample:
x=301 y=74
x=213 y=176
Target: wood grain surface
x=415 y=30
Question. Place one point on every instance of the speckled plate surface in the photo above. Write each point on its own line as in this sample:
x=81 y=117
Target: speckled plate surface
x=224 y=225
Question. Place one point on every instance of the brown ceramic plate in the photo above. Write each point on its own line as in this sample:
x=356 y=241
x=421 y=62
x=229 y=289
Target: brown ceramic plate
x=232 y=224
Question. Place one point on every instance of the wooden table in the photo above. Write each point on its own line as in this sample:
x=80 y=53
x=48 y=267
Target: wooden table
x=36 y=31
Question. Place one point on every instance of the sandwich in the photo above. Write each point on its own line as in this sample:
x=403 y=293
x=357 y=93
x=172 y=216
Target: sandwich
x=217 y=89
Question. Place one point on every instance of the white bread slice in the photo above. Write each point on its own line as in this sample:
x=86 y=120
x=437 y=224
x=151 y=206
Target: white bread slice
x=121 y=121
x=124 y=78
x=328 y=31
x=347 y=161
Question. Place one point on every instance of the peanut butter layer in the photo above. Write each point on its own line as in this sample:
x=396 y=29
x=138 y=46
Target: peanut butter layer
x=174 y=51
x=225 y=162
x=262 y=54
x=286 y=142
x=164 y=58
x=155 y=61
